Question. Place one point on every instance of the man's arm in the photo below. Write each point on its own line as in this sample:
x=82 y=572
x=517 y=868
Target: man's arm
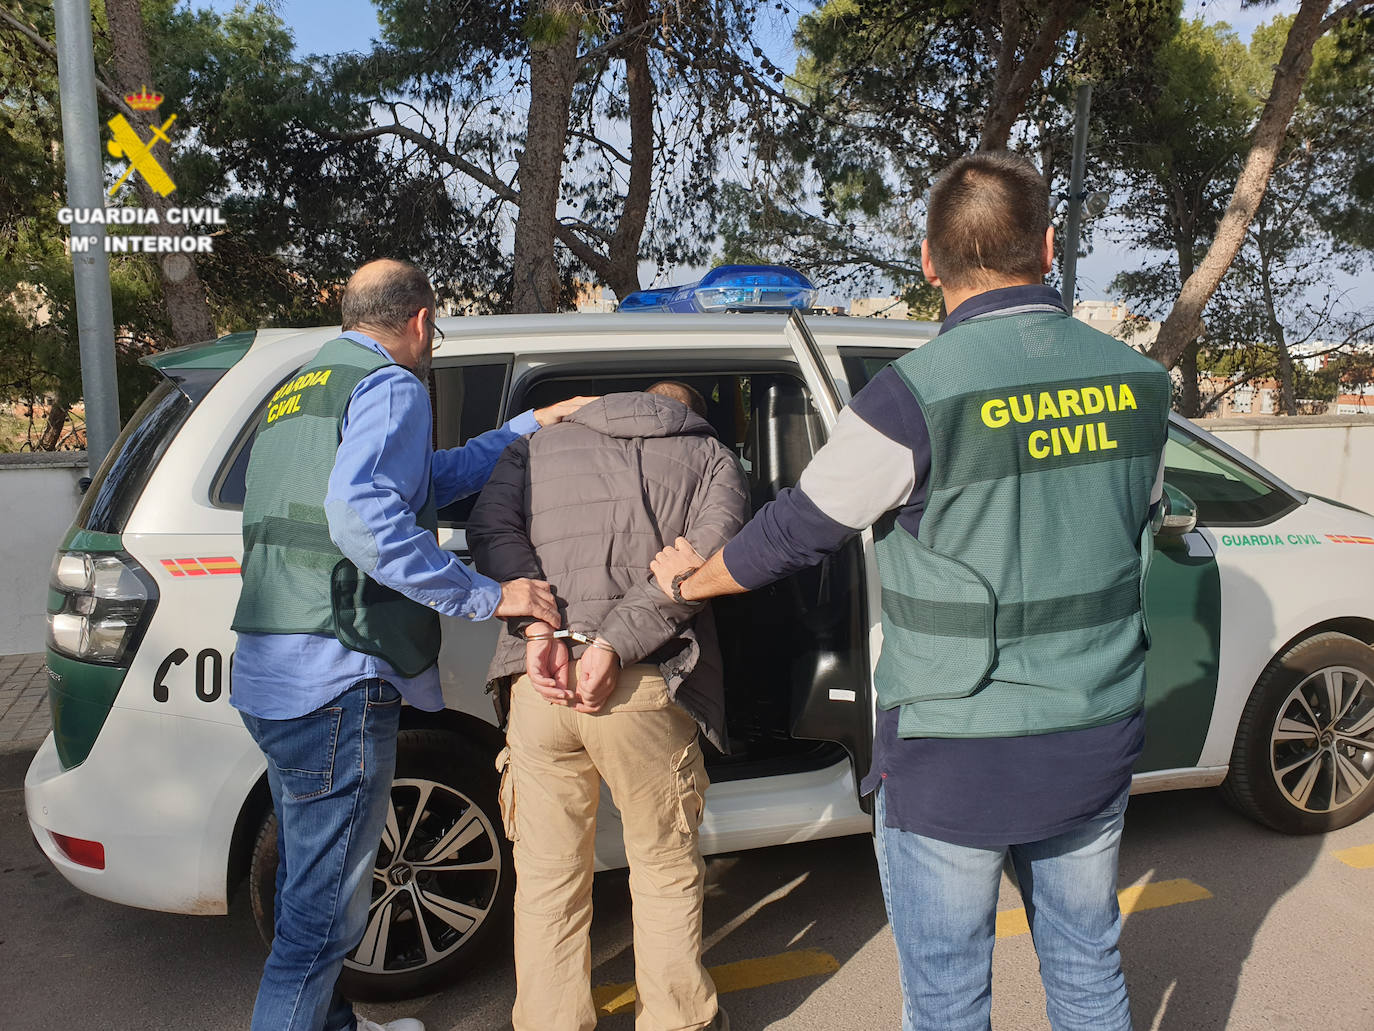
x=645 y=618
x=498 y=536
x=379 y=470
x=497 y=529
x=873 y=462
x=461 y=471
x=705 y=577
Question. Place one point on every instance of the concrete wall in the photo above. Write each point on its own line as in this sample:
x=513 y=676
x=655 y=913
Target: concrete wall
x=38 y=500
x=1330 y=455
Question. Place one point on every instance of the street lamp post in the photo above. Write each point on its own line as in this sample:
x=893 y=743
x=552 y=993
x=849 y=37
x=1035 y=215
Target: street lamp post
x=1074 y=220
x=86 y=189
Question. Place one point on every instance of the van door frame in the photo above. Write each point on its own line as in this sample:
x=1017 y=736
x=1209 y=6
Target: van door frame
x=816 y=361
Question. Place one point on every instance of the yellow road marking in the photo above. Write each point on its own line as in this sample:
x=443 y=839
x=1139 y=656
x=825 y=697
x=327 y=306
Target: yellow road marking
x=732 y=977
x=791 y=966
x=1361 y=857
x=1135 y=899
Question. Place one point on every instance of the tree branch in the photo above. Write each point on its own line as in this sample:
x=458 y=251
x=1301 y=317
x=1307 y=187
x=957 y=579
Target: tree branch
x=110 y=96
x=1006 y=107
x=600 y=144
x=1184 y=320
x=1341 y=13
x=616 y=42
x=594 y=260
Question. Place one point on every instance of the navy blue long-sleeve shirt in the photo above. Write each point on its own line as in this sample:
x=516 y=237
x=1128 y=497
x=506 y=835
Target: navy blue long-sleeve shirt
x=982 y=792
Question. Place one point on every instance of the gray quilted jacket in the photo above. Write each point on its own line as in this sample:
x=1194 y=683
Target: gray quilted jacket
x=586 y=504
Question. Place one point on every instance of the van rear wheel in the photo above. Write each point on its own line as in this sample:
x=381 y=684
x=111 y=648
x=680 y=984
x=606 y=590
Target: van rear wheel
x=444 y=879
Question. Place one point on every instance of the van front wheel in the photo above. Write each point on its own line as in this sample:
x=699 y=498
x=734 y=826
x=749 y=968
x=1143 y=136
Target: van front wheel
x=1303 y=759
x=444 y=879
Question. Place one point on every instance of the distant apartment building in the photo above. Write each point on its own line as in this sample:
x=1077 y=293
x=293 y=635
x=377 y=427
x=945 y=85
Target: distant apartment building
x=1354 y=400
x=1222 y=398
x=1113 y=318
x=1263 y=397
x=1354 y=394
x=879 y=308
x=592 y=297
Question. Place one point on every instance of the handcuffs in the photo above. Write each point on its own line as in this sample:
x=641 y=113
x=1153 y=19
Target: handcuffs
x=572 y=635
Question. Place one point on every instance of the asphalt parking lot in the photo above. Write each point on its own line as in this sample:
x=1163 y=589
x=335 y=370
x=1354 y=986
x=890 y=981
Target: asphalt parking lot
x=1230 y=926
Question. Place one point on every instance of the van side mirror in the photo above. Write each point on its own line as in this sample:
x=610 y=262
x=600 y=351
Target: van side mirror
x=1177 y=515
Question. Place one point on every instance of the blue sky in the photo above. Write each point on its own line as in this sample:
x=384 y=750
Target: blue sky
x=337 y=26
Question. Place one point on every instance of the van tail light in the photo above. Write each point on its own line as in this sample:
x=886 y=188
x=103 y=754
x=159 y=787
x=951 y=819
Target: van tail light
x=98 y=606
x=80 y=851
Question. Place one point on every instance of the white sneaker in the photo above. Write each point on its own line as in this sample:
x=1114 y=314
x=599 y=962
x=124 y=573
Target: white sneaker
x=404 y=1024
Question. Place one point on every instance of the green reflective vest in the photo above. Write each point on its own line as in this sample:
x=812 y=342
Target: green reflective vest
x=1019 y=607
x=295 y=578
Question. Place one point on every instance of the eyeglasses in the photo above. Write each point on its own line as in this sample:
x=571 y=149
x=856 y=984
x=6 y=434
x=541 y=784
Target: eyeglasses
x=435 y=332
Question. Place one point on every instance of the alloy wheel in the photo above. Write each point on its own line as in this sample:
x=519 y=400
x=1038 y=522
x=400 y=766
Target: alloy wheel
x=1322 y=746
x=436 y=879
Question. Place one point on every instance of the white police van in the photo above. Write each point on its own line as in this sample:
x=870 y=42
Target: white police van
x=150 y=792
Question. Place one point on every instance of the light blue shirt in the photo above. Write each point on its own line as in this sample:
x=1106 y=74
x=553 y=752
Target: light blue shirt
x=383 y=473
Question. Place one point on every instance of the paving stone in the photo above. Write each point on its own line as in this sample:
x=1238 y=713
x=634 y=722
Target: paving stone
x=24 y=711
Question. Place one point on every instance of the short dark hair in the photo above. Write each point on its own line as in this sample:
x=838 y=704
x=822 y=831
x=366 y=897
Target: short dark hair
x=681 y=393
x=986 y=220
x=386 y=294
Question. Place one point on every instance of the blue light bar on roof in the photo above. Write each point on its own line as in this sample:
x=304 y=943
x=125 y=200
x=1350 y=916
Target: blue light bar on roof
x=647 y=300
x=730 y=288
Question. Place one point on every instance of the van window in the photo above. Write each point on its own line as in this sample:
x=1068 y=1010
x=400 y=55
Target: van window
x=1226 y=493
x=465 y=400
x=861 y=366
x=116 y=487
x=764 y=416
x=230 y=487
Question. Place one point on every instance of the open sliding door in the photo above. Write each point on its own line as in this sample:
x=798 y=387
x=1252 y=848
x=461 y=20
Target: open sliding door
x=832 y=688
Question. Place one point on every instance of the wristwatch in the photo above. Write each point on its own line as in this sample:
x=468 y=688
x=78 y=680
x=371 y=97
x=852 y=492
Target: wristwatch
x=677 y=585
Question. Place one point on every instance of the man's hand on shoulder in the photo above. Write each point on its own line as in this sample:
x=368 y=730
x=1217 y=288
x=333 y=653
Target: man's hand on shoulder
x=557 y=413
x=597 y=673
x=672 y=562
x=525 y=597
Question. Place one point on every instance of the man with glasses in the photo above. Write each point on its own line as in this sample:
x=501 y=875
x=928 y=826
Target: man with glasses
x=338 y=620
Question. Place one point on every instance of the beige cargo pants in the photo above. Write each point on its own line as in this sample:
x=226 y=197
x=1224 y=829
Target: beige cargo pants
x=645 y=748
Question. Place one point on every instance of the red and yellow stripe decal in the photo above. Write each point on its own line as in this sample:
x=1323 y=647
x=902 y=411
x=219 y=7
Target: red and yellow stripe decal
x=1340 y=538
x=221 y=565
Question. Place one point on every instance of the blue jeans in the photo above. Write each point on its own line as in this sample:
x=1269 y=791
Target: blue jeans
x=942 y=904
x=330 y=774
